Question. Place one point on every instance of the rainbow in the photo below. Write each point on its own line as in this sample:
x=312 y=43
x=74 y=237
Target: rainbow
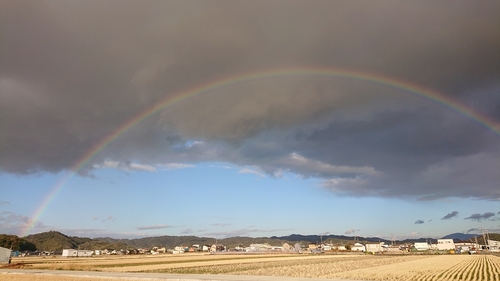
x=406 y=86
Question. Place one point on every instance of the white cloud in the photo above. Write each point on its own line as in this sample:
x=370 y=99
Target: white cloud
x=302 y=163
x=176 y=166
x=246 y=170
x=125 y=166
x=140 y=167
x=12 y=223
x=352 y=230
x=340 y=185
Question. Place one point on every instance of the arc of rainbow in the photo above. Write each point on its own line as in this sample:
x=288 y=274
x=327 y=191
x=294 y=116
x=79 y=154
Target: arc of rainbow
x=405 y=86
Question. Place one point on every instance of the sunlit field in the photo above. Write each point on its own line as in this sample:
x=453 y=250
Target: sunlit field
x=355 y=267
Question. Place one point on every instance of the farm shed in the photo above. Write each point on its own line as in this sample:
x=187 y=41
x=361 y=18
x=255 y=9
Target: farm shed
x=85 y=253
x=421 y=246
x=4 y=255
x=67 y=253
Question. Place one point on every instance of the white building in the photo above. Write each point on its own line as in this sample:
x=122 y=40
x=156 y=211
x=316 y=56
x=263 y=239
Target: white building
x=445 y=244
x=375 y=248
x=422 y=246
x=466 y=246
x=85 y=253
x=358 y=247
x=4 y=255
x=69 y=253
x=494 y=246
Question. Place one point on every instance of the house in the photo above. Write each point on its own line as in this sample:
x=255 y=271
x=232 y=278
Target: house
x=375 y=248
x=445 y=244
x=358 y=247
x=5 y=255
x=141 y=250
x=217 y=248
x=393 y=249
x=178 y=250
x=341 y=248
x=313 y=246
x=298 y=247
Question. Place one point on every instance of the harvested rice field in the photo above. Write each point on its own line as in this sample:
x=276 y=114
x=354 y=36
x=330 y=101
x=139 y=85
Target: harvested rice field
x=353 y=267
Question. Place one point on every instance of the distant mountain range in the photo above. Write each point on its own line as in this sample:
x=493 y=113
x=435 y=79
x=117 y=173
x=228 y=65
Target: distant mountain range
x=459 y=236
x=56 y=241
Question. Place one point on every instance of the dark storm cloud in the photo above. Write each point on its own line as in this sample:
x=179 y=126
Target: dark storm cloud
x=419 y=222
x=450 y=216
x=480 y=217
x=73 y=72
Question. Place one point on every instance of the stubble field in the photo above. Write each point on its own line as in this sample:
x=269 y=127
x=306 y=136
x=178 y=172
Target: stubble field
x=354 y=267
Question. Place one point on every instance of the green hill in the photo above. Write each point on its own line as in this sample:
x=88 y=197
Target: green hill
x=56 y=241
x=15 y=243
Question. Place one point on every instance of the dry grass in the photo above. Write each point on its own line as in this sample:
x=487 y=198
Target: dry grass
x=364 y=267
x=327 y=267
x=446 y=268
x=38 y=277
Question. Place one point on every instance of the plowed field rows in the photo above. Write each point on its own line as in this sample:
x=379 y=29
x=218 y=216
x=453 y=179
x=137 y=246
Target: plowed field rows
x=362 y=267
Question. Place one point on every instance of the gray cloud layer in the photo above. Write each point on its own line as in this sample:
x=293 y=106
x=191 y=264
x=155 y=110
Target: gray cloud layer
x=451 y=215
x=73 y=72
x=480 y=217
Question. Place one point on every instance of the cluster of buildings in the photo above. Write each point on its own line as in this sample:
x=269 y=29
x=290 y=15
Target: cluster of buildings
x=440 y=245
x=312 y=248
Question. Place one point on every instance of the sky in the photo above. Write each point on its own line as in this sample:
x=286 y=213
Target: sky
x=132 y=119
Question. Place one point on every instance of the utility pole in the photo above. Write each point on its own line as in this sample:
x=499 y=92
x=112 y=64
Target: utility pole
x=488 y=237
x=484 y=237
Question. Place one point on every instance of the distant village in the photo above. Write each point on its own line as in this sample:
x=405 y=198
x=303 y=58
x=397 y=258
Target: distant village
x=443 y=246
